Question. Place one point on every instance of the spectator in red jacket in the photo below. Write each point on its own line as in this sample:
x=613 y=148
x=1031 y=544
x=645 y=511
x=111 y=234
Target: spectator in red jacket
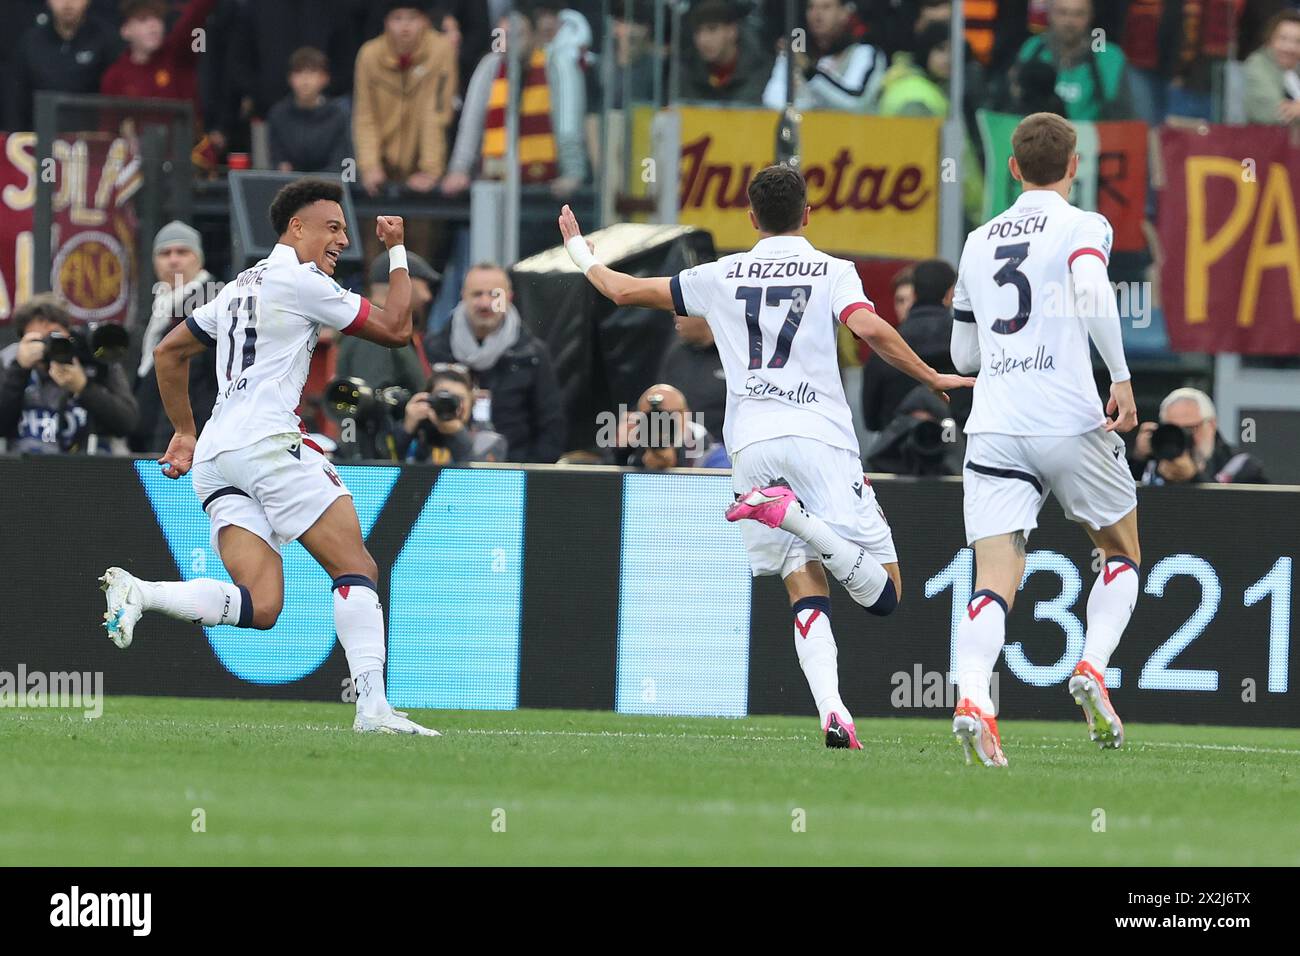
x=159 y=64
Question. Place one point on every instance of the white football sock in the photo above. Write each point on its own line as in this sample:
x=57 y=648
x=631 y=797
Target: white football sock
x=1110 y=605
x=980 y=635
x=201 y=601
x=815 y=645
x=861 y=574
x=359 y=623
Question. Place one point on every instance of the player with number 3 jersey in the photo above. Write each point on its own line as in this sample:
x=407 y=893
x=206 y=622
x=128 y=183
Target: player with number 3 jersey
x=261 y=481
x=802 y=500
x=1032 y=288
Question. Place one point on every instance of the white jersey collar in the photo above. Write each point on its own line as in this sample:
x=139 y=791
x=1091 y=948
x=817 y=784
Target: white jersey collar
x=1039 y=197
x=781 y=243
x=283 y=251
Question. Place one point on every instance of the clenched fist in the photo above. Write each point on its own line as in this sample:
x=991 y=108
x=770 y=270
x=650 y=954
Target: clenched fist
x=390 y=230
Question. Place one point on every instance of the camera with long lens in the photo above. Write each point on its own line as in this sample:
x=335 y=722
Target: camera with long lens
x=94 y=348
x=1171 y=441
x=353 y=398
x=445 y=404
x=912 y=446
x=370 y=408
x=924 y=448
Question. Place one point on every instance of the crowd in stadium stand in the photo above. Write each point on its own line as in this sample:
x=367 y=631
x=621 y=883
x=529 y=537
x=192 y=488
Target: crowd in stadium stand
x=414 y=96
x=415 y=91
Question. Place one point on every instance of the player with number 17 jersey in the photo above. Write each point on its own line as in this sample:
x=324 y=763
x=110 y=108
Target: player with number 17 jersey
x=801 y=498
x=791 y=297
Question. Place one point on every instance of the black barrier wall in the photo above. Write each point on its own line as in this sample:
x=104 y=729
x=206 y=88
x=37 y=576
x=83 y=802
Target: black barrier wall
x=599 y=589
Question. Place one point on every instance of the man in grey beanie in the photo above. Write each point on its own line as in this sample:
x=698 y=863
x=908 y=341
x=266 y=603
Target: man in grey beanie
x=183 y=285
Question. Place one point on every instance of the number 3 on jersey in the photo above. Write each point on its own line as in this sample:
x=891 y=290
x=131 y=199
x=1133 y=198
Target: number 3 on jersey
x=753 y=298
x=1010 y=274
x=249 y=306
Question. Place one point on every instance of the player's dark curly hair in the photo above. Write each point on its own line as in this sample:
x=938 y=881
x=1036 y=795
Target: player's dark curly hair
x=299 y=195
x=778 y=195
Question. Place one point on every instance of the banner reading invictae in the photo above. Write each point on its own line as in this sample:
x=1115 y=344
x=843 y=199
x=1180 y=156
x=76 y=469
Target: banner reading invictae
x=1228 y=230
x=1112 y=176
x=872 y=181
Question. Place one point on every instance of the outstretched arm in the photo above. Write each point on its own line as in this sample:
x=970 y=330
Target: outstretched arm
x=619 y=287
x=890 y=346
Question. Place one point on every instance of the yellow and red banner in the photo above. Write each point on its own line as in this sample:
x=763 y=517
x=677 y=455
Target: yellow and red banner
x=1229 y=234
x=95 y=176
x=873 y=182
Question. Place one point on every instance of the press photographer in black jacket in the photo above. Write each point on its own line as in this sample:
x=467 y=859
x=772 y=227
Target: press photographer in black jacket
x=437 y=425
x=56 y=395
x=1186 y=447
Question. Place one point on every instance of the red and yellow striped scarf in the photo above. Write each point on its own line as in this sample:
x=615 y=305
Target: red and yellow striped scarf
x=536 y=140
x=1206 y=31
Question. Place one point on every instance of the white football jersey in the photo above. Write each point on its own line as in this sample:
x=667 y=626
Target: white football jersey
x=1014 y=283
x=774 y=312
x=264 y=326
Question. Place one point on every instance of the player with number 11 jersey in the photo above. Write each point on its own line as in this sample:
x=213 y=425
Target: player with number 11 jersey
x=260 y=480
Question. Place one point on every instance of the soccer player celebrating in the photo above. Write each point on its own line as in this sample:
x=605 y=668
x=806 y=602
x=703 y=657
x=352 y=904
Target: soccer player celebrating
x=1031 y=289
x=261 y=481
x=796 y=471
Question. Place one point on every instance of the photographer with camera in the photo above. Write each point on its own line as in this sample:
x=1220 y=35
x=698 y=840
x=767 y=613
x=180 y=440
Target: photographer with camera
x=663 y=433
x=1186 y=446
x=437 y=425
x=918 y=440
x=62 y=391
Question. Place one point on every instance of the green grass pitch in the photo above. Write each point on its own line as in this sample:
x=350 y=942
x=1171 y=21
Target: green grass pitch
x=289 y=783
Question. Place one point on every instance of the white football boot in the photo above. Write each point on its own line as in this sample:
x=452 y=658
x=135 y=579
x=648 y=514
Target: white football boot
x=978 y=734
x=1088 y=688
x=390 y=722
x=125 y=605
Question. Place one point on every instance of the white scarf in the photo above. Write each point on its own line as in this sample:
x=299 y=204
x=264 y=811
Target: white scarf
x=481 y=356
x=1291 y=83
x=168 y=308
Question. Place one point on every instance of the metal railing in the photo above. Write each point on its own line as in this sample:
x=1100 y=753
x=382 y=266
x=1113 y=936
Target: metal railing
x=163 y=132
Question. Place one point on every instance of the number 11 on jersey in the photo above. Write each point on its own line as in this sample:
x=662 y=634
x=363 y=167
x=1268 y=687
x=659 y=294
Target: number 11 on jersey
x=249 y=306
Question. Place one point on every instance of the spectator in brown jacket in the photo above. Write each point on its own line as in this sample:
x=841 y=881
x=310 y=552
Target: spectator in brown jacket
x=402 y=101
